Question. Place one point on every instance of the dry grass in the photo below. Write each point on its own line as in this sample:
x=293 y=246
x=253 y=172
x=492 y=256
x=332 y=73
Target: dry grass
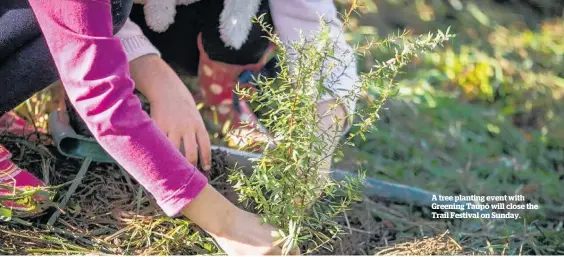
x=438 y=245
x=107 y=214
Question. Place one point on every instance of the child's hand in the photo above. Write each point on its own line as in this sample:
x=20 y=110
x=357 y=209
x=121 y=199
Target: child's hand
x=237 y=232
x=172 y=108
x=177 y=116
x=249 y=236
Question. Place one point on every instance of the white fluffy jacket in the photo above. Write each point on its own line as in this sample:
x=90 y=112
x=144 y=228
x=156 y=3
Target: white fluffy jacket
x=159 y=14
x=235 y=21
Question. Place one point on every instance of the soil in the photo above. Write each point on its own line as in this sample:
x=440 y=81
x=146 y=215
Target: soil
x=219 y=176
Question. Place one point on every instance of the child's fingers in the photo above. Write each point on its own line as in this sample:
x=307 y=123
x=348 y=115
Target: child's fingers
x=175 y=139
x=204 y=148
x=191 y=148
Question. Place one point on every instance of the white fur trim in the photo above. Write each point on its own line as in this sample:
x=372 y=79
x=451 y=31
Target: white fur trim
x=235 y=19
x=235 y=22
x=159 y=14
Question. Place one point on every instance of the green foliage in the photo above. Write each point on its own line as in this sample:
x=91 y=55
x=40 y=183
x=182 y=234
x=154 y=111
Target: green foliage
x=5 y=214
x=288 y=171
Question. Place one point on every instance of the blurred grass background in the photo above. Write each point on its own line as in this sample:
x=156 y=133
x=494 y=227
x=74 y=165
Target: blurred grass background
x=483 y=116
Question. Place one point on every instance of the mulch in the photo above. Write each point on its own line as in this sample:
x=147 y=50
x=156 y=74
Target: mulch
x=110 y=213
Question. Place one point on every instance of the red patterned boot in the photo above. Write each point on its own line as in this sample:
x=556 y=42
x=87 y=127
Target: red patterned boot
x=218 y=81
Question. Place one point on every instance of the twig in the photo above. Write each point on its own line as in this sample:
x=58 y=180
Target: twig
x=348 y=223
x=70 y=192
x=79 y=237
x=46 y=164
x=127 y=178
x=359 y=230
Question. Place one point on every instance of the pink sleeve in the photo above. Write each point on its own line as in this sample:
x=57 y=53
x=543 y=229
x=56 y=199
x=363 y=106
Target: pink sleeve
x=94 y=69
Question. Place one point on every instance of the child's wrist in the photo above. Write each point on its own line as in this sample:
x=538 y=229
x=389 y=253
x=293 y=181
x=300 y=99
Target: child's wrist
x=155 y=79
x=211 y=211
